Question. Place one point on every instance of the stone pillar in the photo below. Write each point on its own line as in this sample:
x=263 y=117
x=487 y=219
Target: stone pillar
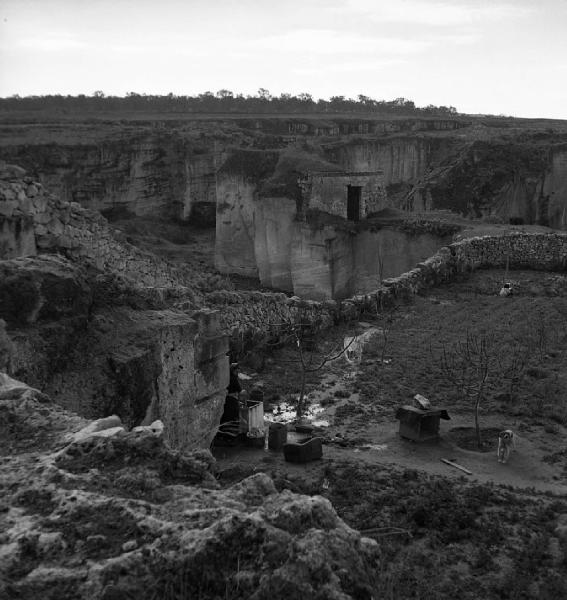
x=211 y=373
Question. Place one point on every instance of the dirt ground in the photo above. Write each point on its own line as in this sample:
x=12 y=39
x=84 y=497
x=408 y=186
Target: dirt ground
x=359 y=401
x=482 y=533
x=379 y=443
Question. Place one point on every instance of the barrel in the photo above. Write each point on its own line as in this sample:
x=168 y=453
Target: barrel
x=277 y=436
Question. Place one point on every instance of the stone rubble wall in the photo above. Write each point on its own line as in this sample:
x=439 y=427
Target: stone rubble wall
x=538 y=251
x=251 y=318
x=32 y=221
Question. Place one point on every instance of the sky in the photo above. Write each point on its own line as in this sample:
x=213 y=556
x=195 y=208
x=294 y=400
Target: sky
x=481 y=56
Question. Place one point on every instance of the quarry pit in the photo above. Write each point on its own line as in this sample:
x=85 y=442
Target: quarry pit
x=138 y=260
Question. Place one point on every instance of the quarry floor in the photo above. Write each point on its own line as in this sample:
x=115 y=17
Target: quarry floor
x=358 y=402
x=497 y=533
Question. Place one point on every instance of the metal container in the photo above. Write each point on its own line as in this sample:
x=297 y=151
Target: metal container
x=252 y=417
x=277 y=436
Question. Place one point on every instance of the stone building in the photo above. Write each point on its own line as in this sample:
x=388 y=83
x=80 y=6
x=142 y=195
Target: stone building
x=350 y=195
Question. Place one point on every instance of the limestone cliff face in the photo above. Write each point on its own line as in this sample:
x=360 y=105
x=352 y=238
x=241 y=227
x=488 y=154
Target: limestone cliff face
x=473 y=168
x=320 y=262
x=146 y=174
x=234 y=251
x=330 y=263
x=34 y=221
x=264 y=237
x=273 y=241
x=401 y=160
x=522 y=182
x=140 y=364
x=555 y=190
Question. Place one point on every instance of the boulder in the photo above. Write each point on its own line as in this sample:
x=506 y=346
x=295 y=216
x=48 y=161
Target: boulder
x=8 y=171
x=44 y=287
x=117 y=514
x=155 y=428
x=12 y=389
x=6 y=347
x=99 y=426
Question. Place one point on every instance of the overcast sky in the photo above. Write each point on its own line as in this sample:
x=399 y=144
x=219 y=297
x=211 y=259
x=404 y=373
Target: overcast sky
x=481 y=56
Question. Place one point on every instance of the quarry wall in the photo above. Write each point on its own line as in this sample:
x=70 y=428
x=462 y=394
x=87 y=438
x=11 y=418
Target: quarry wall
x=103 y=356
x=140 y=364
x=170 y=170
x=168 y=364
x=234 y=239
x=152 y=174
x=32 y=221
x=273 y=241
x=264 y=238
x=400 y=160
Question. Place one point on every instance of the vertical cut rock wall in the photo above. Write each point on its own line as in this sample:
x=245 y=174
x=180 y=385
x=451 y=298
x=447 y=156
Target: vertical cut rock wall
x=234 y=241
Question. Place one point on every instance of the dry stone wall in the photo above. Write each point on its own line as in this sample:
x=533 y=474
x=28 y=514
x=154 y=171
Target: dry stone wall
x=545 y=252
x=32 y=221
x=252 y=318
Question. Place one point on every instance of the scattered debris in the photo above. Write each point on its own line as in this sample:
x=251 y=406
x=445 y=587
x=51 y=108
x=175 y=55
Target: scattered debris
x=422 y=402
x=376 y=447
x=374 y=532
x=506 y=290
x=454 y=464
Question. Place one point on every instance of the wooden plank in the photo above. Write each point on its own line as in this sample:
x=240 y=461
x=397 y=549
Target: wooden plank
x=454 y=464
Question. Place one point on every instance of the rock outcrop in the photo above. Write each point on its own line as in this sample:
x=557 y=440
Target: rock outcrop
x=118 y=514
x=138 y=171
x=33 y=221
x=85 y=317
x=140 y=364
x=43 y=288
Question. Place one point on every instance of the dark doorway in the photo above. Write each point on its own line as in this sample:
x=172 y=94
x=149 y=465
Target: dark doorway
x=353 y=202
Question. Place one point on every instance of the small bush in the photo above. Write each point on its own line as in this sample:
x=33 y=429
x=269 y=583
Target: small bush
x=327 y=401
x=537 y=373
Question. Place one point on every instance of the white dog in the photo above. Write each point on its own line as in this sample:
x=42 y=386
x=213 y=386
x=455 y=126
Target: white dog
x=353 y=346
x=506 y=443
x=352 y=349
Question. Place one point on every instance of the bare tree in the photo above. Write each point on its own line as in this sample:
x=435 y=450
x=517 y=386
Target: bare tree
x=304 y=335
x=513 y=362
x=308 y=363
x=540 y=335
x=387 y=319
x=468 y=364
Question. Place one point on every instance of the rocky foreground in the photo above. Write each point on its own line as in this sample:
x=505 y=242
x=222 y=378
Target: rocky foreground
x=90 y=510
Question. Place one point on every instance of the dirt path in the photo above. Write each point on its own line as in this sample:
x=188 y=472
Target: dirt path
x=374 y=440
x=525 y=468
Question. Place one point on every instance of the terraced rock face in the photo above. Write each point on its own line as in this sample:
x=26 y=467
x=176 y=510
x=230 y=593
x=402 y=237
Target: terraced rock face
x=119 y=516
x=503 y=168
x=141 y=173
x=88 y=317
